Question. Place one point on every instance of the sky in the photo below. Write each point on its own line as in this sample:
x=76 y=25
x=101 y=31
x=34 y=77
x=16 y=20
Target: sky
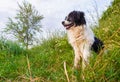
x=54 y=11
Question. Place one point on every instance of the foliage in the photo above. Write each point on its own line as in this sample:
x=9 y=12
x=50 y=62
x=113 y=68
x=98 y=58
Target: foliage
x=25 y=25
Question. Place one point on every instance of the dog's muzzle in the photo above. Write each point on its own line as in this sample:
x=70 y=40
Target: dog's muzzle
x=67 y=25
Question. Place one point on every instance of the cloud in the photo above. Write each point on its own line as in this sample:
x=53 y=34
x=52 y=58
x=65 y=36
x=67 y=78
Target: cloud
x=53 y=11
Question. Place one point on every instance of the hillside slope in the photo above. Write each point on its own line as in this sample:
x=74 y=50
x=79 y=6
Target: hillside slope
x=109 y=28
x=45 y=62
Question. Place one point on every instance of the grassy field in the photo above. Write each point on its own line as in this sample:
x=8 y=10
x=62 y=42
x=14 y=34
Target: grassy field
x=45 y=62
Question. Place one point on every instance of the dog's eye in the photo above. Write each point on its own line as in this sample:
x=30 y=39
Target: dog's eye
x=69 y=19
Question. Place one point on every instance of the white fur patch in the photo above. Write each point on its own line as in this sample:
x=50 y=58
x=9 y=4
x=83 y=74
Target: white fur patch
x=81 y=38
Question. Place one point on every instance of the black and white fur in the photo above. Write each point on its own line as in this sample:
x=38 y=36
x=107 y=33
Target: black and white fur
x=80 y=37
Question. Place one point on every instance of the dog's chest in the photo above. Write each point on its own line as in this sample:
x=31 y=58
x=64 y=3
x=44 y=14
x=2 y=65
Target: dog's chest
x=75 y=34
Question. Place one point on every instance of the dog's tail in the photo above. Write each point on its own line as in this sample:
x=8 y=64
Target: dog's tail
x=97 y=45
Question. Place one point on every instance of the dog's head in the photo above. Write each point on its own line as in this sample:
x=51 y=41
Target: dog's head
x=74 y=18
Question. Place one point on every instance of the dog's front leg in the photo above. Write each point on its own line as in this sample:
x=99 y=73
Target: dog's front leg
x=77 y=57
x=86 y=55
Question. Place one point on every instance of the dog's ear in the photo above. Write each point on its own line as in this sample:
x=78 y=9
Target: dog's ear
x=82 y=14
x=82 y=18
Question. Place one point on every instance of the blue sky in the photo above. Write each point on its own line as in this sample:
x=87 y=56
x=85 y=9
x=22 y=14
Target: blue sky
x=54 y=11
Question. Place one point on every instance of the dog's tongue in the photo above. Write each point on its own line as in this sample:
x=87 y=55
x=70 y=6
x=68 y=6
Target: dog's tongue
x=67 y=27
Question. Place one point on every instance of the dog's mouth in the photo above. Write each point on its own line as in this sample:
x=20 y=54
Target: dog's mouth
x=67 y=26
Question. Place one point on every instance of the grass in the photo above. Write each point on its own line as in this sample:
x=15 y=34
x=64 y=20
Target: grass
x=48 y=61
x=9 y=47
x=41 y=63
x=45 y=63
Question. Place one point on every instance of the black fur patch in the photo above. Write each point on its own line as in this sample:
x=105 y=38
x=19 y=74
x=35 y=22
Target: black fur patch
x=97 y=45
x=77 y=17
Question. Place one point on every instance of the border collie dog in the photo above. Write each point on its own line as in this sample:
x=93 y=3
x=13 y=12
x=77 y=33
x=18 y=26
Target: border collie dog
x=81 y=38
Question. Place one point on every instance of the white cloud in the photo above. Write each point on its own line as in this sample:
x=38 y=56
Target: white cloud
x=54 y=11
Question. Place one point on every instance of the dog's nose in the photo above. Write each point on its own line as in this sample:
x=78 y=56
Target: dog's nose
x=63 y=22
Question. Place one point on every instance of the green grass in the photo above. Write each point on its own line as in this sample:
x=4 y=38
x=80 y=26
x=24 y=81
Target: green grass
x=9 y=47
x=45 y=62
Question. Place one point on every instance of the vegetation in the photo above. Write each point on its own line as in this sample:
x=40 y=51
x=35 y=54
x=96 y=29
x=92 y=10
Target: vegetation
x=25 y=25
x=10 y=48
x=45 y=62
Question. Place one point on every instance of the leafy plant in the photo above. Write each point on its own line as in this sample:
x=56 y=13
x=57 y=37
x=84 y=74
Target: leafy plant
x=25 y=25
